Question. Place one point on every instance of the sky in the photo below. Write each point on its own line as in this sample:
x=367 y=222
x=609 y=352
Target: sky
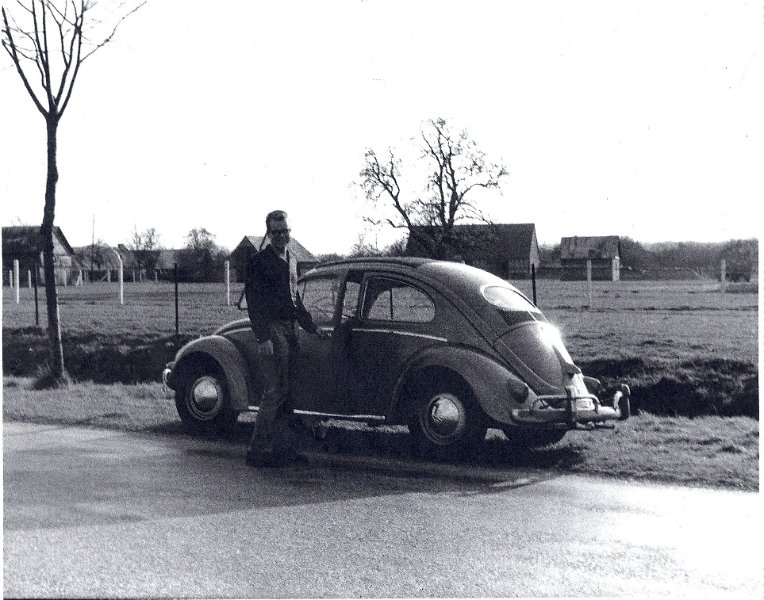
x=632 y=118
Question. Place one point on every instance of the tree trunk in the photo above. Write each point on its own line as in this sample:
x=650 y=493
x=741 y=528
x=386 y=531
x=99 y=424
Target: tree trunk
x=46 y=230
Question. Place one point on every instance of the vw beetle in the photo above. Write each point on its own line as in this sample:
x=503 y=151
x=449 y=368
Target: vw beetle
x=447 y=349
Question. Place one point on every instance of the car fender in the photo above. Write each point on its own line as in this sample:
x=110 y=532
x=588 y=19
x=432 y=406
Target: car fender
x=496 y=389
x=225 y=353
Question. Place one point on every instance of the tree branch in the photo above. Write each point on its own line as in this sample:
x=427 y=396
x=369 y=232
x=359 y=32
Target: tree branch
x=10 y=47
x=114 y=31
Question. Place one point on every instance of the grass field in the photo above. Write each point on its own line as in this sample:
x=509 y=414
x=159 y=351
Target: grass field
x=685 y=347
x=668 y=320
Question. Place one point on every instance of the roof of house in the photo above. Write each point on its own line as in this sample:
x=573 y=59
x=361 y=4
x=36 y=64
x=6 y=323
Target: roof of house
x=102 y=258
x=129 y=259
x=578 y=248
x=503 y=240
x=167 y=259
x=25 y=240
x=301 y=254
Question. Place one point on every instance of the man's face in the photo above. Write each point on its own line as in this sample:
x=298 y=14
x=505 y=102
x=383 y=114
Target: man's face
x=278 y=231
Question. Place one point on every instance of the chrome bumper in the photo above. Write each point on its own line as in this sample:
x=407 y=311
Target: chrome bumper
x=166 y=379
x=574 y=410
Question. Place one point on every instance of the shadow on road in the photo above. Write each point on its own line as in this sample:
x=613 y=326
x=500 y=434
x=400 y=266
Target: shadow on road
x=387 y=442
x=74 y=480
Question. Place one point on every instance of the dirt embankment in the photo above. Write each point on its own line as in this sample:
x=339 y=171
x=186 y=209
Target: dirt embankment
x=690 y=388
x=92 y=357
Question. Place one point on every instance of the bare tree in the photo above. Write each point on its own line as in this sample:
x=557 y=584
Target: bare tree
x=456 y=168
x=145 y=248
x=48 y=42
x=363 y=248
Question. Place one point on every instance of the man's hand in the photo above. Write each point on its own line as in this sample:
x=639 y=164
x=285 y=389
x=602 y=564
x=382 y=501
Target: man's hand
x=265 y=348
x=323 y=334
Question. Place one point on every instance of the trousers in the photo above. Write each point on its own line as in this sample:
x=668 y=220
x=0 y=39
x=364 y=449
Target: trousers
x=272 y=434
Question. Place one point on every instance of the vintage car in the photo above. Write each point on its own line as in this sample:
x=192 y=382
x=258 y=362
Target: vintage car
x=447 y=349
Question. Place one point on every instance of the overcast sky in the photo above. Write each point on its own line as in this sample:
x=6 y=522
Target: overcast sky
x=634 y=118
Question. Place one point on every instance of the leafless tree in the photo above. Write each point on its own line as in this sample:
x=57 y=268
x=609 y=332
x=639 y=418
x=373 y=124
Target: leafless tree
x=456 y=168
x=145 y=248
x=48 y=42
x=364 y=248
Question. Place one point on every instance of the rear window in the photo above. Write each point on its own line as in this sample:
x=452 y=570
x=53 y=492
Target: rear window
x=388 y=300
x=513 y=306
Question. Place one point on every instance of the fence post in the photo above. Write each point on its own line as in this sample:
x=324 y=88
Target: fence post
x=533 y=281
x=589 y=279
x=29 y=279
x=228 y=283
x=724 y=276
x=16 y=277
x=36 y=305
x=177 y=326
x=121 y=277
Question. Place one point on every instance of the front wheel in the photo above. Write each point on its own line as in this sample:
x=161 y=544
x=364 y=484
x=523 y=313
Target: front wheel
x=203 y=403
x=446 y=418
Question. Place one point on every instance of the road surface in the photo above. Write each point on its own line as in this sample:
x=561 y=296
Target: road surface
x=97 y=513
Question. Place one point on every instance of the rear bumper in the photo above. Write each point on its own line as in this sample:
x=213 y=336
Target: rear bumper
x=574 y=410
x=167 y=377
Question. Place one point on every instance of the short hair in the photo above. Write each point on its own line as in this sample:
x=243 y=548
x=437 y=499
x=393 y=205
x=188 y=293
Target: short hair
x=274 y=215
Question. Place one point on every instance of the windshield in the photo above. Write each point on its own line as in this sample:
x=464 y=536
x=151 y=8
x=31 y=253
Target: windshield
x=513 y=306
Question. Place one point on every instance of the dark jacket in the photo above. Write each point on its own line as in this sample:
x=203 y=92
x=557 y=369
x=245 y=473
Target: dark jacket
x=268 y=294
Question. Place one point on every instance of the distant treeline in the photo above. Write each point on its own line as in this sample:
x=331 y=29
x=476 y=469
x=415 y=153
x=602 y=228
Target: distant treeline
x=691 y=258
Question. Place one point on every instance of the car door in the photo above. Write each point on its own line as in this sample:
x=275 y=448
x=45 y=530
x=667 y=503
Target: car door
x=392 y=321
x=314 y=376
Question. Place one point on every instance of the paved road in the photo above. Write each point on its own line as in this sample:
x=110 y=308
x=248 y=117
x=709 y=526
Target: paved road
x=96 y=513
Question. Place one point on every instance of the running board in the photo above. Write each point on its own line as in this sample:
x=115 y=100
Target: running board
x=311 y=413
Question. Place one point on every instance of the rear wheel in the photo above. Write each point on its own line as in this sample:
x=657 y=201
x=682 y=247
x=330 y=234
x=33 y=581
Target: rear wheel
x=203 y=403
x=533 y=438
x=445 y=417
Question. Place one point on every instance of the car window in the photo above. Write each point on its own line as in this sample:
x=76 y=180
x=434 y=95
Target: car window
x=513 y=306
x=507 y=299
x=319 y=295
x=350 y=302
x=389 y=300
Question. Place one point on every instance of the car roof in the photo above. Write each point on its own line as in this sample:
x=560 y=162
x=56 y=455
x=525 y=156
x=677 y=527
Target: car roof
x=462 y=279
x=405 y=261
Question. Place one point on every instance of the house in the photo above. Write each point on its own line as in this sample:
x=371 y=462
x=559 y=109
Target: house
x=603 y=251
x=24 y=243
x=165 y=265
x=508 y=250
x=251 y=244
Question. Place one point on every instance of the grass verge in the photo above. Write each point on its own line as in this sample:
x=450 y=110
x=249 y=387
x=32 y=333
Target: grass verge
x=692 y=387
x=705 y=451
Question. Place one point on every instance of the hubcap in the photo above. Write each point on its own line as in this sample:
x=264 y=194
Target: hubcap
x=205 y=397
x=445 y=417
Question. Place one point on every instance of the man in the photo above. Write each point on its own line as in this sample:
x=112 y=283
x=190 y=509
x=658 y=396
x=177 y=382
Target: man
x=274 y=304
